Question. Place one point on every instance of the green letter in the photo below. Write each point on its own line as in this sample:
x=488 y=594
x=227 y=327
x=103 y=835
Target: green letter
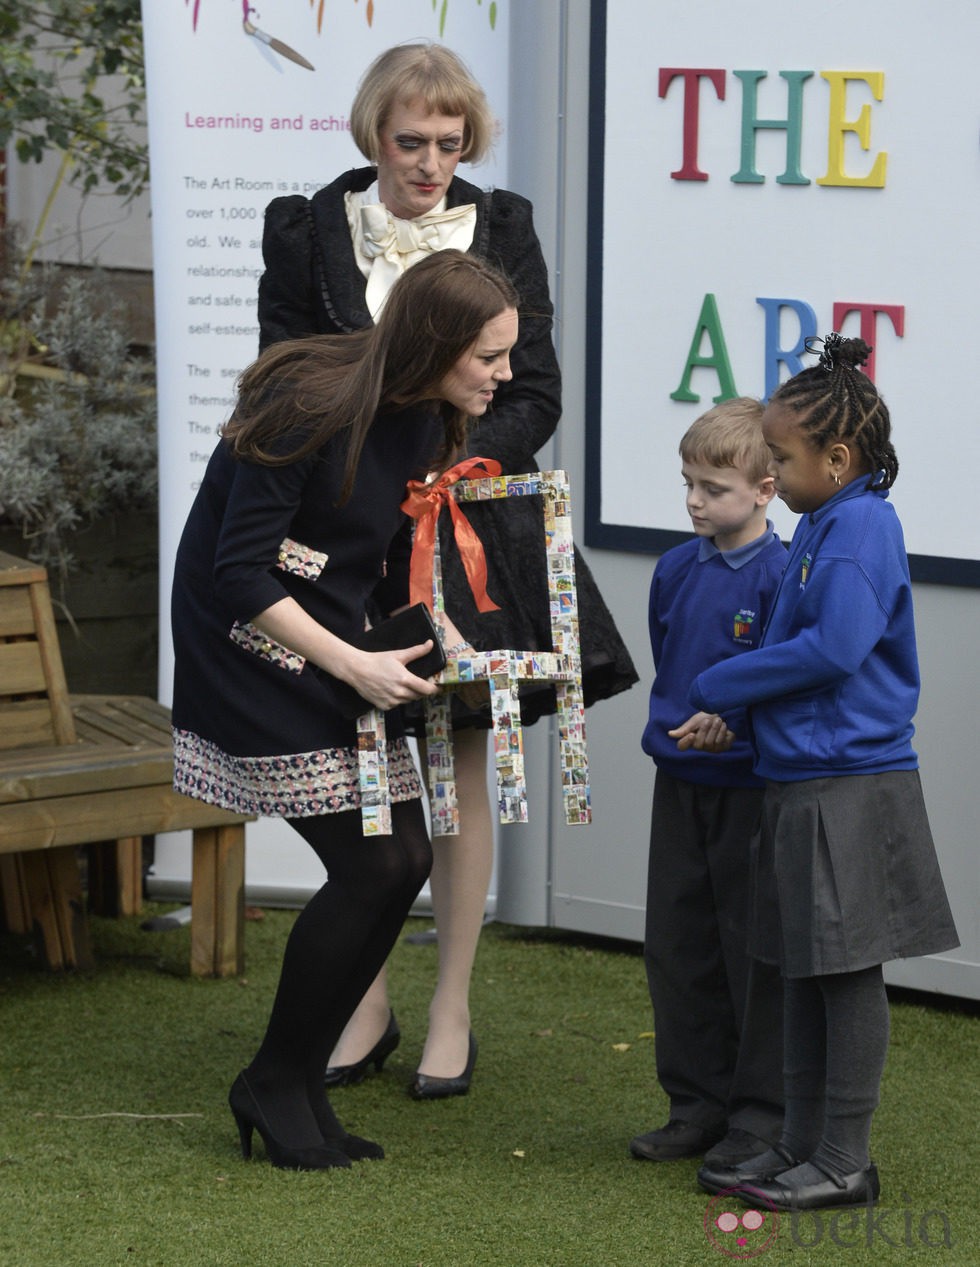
x=709 y=324
x=792 y=125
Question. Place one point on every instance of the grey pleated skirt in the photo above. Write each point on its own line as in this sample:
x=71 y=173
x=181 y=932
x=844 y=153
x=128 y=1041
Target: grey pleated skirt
x=845 y=876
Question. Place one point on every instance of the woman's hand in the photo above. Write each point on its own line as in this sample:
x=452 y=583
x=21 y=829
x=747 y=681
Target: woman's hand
x=383 y=676
x=379 y=676
x=475 y=695
x=706 y=732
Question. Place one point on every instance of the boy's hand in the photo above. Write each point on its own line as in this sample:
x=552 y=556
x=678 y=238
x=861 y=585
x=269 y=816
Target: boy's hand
x=706 y=732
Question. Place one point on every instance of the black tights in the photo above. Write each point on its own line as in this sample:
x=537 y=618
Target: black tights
x=336 y=948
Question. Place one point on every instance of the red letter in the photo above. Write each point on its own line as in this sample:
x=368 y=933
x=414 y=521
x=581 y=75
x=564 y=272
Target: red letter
x=689 y=167
x=869 y=311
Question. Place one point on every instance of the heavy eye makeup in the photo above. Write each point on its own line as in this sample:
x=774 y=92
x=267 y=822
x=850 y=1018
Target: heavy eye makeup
x=448 y=145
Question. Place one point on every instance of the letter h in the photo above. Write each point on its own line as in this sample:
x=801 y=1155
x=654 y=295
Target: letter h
x=792 y=125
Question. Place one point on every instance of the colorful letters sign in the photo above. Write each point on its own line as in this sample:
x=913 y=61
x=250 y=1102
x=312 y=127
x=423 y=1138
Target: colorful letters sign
x=760 y=173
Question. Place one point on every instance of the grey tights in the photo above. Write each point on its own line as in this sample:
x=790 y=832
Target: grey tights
x=836 y=1041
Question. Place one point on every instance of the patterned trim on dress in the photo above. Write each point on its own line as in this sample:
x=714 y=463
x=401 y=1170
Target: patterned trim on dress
x=301 y=560
x=294 y=785
x=253 y=639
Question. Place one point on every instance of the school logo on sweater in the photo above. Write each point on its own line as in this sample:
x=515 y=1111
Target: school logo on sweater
x=742 y=628
x=805 y=569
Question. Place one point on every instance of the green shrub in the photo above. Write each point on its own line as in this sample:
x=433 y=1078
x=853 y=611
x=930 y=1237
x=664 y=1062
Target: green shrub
x=77 y=422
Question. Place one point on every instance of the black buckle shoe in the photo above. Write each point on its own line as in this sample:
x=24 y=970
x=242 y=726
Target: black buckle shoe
x=862 y=1187
x=757 y=1170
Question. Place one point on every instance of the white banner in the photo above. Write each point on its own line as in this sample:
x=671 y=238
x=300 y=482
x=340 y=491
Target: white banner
x=246 y=103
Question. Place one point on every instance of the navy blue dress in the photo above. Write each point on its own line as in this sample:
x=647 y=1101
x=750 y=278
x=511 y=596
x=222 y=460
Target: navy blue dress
x=255 y=728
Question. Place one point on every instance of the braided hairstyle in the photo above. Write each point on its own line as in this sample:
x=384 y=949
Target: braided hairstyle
x=836 y=401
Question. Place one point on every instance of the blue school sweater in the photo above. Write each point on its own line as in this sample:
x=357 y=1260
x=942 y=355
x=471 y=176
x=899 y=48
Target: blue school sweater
x=706 y=605
x=835 y=685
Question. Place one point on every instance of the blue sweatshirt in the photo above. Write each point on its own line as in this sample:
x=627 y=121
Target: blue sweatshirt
x=706 y=605
x=835 y=685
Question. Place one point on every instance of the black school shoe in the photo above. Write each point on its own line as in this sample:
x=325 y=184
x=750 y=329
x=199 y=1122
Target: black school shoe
x=762 y=1169
x=862 y=1187
x=736 y=1147
x=676 y=1140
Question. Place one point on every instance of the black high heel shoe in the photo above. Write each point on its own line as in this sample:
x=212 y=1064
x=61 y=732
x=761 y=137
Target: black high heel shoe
x=424 y=1087
x=248 y=1116
x=334 y=1136
x=350 y=1075
x=357 y=1148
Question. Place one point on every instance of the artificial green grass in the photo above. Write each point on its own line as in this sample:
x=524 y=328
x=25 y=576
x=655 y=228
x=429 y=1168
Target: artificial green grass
x=117 y=1146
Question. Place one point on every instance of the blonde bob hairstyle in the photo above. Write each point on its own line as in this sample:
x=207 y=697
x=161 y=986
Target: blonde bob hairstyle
x=432 y=74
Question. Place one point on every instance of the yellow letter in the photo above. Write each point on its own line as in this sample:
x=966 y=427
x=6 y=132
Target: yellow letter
x=838 y=125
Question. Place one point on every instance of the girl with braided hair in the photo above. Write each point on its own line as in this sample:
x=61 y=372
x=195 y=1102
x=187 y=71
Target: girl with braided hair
x=845 y=875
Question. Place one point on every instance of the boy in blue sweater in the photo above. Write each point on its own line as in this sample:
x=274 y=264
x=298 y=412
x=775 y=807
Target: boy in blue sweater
x=717 y=1014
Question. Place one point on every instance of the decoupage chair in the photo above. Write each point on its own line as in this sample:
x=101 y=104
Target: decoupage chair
x=504 y=670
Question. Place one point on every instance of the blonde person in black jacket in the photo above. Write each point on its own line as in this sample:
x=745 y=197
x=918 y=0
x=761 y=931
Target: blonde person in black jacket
x=329 y=262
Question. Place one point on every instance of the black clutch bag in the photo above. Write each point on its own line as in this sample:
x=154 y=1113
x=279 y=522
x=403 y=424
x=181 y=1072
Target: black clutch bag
x=406 y=629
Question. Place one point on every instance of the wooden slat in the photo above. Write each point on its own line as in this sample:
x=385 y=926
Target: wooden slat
x=123 y=719
x=17 y=571
x=124 y=740
x=57 y=756
x=21 y=668
x=59 y=770
x=140 y=709
x=79 y=820
x=54 y=670
x=24 y=724
x=16 y=613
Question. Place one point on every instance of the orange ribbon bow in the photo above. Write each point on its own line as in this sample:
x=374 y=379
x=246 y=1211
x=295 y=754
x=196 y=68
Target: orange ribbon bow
x=424 y=503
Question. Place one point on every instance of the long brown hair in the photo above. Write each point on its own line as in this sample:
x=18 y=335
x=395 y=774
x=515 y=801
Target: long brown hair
x=316 y=387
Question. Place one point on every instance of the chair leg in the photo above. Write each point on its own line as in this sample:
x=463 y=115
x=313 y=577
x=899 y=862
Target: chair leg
x=372 y=773
x=115 y=877
x=439 y=773
x=13 y=892
x=218 y=902
x=574 y=757
x=54 y=888
x=508 y=745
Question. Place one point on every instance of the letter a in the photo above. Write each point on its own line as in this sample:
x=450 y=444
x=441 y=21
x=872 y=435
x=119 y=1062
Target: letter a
x=709 y=324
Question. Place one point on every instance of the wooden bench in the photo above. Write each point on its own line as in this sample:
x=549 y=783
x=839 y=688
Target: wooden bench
x=95 y=771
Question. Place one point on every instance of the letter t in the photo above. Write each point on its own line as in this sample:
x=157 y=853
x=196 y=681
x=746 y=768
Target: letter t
x=689 y=169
